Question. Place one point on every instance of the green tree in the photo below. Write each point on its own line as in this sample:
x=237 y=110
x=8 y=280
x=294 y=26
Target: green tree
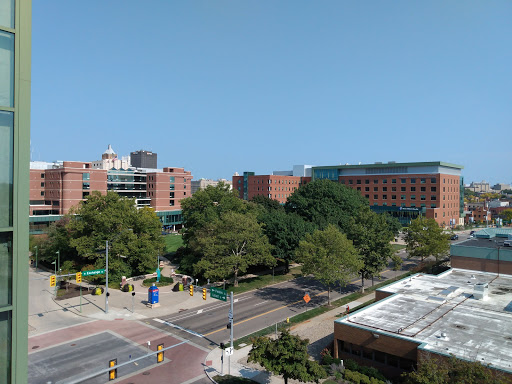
x=230 y=245
x=207 y=205
x=425 y=238
x=329 y=256
x=267 y=203
x=286 y=356
x=433 y=370
x=284 y=231
x=325 y=202
x=83 y=233
x=372 y=239
x=506 y=214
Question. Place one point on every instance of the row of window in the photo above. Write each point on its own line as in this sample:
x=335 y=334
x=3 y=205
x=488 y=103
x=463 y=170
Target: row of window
x=377 y=356
x=412 y=205
x=402 y=197
x=433 y=180
x=402 y=189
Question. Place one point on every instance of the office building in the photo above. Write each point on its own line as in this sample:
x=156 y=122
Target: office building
x=276 y=186
x=405 y=190
x=15 y=53
x=143 y=159
x=481 y=187
x=56 y=187
x=464 y=313
x=197 y=185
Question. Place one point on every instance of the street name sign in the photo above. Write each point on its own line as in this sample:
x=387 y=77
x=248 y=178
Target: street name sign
x=218 y=293
x=93 y=272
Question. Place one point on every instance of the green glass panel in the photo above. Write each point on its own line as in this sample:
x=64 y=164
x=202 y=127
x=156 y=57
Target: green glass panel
x=6 y=168
x=5 y=269
x=7 y=13
x=5 y=347
x=6 y=69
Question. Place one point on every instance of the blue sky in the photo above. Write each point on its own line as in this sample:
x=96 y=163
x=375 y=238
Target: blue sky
x=224 y=86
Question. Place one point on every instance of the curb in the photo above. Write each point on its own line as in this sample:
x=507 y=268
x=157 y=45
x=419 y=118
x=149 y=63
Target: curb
x=205 y=367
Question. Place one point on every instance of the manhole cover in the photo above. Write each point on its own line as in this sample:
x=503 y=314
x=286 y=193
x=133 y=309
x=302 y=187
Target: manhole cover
x=35 y=347
x=40 y=315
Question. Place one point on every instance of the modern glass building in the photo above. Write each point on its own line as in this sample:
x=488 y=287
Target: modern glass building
x=15 y=57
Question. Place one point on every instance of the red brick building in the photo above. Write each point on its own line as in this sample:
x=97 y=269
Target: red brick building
x=405 y=190
x=277 y=187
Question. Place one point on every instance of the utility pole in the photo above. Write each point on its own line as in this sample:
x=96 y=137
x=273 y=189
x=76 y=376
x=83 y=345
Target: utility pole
x=231 y=334
x=106 y=278
x=58 y=258
x=36 y=257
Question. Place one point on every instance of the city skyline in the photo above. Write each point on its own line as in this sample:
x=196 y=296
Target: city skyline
x=226 y=87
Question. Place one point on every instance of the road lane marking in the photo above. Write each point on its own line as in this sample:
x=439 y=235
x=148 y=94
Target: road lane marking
x=180 y=328
x=200 y=311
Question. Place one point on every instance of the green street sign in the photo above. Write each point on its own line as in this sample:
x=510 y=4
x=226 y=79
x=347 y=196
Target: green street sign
x=93 y=272
x=217 y=293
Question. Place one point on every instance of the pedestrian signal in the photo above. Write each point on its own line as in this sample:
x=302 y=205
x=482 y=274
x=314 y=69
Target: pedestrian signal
x=204 y=293
x=78 y=277
x=52 y=280
x=160 y=355
x=191 y=289
x=112 y=374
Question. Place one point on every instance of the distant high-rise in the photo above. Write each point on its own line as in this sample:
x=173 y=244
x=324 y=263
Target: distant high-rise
x=143 y=159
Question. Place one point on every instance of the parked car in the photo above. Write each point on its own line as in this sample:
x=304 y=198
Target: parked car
x=454 y=237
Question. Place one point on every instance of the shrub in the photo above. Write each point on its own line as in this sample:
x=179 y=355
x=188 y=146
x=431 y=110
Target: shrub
x=128 y=287
x=164 y=281
x=97 y=291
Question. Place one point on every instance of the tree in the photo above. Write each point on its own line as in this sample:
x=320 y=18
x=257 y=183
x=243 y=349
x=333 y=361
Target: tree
x=393 y=224
x=286 y=356
x=230 y=245
x=372 y=236
x=506 y=214
x=425 y=238
x=83 y=233
x=267 y=203
x=325 y=202
x=434 y=370
x=207 y=205
x=284 y=231
x=329 y=256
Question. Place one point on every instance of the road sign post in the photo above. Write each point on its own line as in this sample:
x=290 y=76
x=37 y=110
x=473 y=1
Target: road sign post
x=218 y=293
x=231 y=331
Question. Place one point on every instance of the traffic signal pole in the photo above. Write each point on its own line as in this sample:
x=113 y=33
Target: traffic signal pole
x=231 y=334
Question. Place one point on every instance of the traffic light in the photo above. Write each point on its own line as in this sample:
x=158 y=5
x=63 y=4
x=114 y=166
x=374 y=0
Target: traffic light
x=222 y=346
x=191 y=289
x=204 y=293
x=78 y=277
x=159 y=355
x=228 y=326
x=52 y=280
x=112 y=374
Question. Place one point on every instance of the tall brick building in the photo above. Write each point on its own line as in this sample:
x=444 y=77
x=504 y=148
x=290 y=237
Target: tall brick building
x=405 y=190
x=56 y=187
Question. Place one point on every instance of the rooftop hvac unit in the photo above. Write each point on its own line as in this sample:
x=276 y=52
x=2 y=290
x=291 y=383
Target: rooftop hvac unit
x=481 y=291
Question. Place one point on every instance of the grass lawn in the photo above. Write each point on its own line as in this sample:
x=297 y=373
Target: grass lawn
x=172 y=243
x=397 y=247
x=227 y=379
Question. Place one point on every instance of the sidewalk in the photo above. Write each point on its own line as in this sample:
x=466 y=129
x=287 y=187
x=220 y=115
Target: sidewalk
x=319 y=330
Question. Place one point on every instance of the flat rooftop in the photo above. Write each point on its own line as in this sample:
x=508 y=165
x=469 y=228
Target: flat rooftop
x=482 y=243
x=442 y=314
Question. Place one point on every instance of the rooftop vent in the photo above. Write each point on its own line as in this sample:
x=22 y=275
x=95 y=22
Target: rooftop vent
x=481 y=291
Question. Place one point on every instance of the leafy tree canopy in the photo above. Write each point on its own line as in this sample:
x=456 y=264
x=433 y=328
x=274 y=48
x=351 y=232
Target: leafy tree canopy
x=134 y=235
x=425 y=238
x=329 y=256
x=453 y=371
x=325 y=202
x=267 y=203
x=230 y=245
x=286 y=356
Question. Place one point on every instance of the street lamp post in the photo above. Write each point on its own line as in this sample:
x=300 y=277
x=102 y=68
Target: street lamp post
x=106 y=278
x=36 y=257
x=58 y=258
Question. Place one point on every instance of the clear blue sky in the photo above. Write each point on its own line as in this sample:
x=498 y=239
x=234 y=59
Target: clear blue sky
x=224 y=86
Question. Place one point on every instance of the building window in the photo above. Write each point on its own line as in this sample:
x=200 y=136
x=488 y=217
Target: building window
x=384 y=189
x=86 y=176
x=171 y=187
x=413 y=181
x=393 y=204
x=384 y=181
x=433 y=180
x=367 y=181
x=171 y=203
x=423 y=189
x=402 y=205
x=6 y=281
x=358 y=188
x=350 y=182
x=393 y=189
x=402 y=197
x=384 y=197
x=393 y=181
x=433 y=197
x=367 y=189
x=413 y=205
x=375 y=197
x=423 y=205
x=393 y=197
x=7 y=68
x=413 y=189
x=42 y=185
x=423 y=197
x=42 y=194
x=171 y=195
x=358 y=181
x=402 y=181
x=42 y=175
x=413 y=197
x=85 y=194
x=375 y=181
x=86 y=186
x=423 y=181
x=367 y=196
x=184 y=193
x=403 y=189
x=433 y=206
x=375 y=189
x=171 y=179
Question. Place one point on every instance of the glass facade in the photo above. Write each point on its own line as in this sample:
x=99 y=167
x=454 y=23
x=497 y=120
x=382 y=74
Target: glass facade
x=15 y=41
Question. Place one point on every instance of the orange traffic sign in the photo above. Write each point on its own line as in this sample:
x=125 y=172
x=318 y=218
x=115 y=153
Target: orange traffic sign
x=306 y=298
